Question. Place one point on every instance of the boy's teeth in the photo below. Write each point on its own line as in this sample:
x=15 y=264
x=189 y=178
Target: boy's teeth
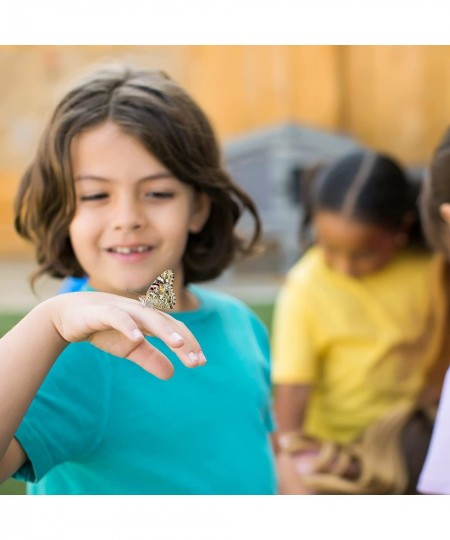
x=127 y=250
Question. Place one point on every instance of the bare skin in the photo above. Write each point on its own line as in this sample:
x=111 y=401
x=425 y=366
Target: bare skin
x=355 y=248
x=115 y=324
x=291 y=403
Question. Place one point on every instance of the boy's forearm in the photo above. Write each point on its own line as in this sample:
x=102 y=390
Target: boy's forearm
x=27 y=353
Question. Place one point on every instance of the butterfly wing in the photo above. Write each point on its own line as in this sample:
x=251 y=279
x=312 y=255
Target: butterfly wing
x=161 y=294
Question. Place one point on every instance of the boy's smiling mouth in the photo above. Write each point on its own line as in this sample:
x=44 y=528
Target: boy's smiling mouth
x=127 y=250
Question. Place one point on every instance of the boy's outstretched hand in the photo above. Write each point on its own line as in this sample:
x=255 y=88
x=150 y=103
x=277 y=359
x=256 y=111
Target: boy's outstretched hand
x=117 y=325
x=113 y=323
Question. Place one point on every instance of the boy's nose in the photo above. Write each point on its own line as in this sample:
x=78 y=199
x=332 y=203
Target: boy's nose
x=127 y=217
x=128 y=226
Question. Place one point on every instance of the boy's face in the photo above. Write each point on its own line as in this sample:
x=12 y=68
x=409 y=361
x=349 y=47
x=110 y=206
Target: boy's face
x=354 y=248
x=132 y=216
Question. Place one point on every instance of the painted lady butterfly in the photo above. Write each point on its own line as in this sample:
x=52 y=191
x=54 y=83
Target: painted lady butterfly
x=160 y=294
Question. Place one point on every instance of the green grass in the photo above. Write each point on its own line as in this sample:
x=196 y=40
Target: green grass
x=7 y=320
x=265 y=312
x=10 y=487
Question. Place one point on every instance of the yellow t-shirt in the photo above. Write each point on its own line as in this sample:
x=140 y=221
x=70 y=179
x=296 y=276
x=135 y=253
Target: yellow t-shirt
x=365 y=344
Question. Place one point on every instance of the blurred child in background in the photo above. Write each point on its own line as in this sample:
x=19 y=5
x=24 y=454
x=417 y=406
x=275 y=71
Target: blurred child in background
x=358 y=329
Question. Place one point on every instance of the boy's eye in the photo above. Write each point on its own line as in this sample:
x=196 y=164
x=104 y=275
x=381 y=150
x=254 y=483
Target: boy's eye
x=93 y=197
x=159 y=194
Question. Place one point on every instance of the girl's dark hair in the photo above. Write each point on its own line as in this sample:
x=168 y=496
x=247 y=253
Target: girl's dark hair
x=164 y=118
x=366 y=186
x=436 y=191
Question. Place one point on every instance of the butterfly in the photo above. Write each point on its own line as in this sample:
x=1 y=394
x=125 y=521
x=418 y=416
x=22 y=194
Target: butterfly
x=160 y=294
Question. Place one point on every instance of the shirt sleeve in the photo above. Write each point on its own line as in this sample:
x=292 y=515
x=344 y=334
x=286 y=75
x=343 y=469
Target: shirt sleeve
x=66 y=417
x=72 y=284
x=294 y=342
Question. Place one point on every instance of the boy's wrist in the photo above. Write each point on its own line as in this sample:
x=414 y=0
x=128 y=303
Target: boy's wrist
x=50 y=310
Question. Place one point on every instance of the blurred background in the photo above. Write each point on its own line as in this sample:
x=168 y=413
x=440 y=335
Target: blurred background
x=276 y=110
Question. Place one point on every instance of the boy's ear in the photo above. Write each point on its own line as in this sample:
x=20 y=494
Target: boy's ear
x=444 y=210
x=201 y=212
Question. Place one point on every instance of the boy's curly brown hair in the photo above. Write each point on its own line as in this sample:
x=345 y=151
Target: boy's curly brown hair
x=150 y=106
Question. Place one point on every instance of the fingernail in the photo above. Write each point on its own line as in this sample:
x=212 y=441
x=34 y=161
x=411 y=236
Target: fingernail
x=137 y=333
x=177 y=337
x=202 y=357
x=193 y=357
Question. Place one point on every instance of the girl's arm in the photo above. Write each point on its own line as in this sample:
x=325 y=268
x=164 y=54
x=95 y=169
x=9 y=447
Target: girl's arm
x=290 y=403
x=112 y=323
x=295 y=351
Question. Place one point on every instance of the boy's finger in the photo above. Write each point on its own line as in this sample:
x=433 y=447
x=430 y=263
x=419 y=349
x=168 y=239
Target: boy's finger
x=152 y=360
x=175 y=335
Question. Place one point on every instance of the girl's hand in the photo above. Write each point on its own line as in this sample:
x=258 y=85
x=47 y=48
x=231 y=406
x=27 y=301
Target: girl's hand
x=117 y=325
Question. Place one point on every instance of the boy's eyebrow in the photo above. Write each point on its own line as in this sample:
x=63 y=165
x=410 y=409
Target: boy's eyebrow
x=156 y=176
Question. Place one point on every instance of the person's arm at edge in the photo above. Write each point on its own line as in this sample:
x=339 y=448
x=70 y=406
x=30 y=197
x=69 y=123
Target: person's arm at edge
x=112 y=323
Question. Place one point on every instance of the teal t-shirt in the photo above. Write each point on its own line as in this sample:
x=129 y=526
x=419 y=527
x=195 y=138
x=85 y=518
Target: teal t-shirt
x=102 y=425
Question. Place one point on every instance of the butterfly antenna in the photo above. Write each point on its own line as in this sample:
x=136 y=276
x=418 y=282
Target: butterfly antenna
x=134 y=292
